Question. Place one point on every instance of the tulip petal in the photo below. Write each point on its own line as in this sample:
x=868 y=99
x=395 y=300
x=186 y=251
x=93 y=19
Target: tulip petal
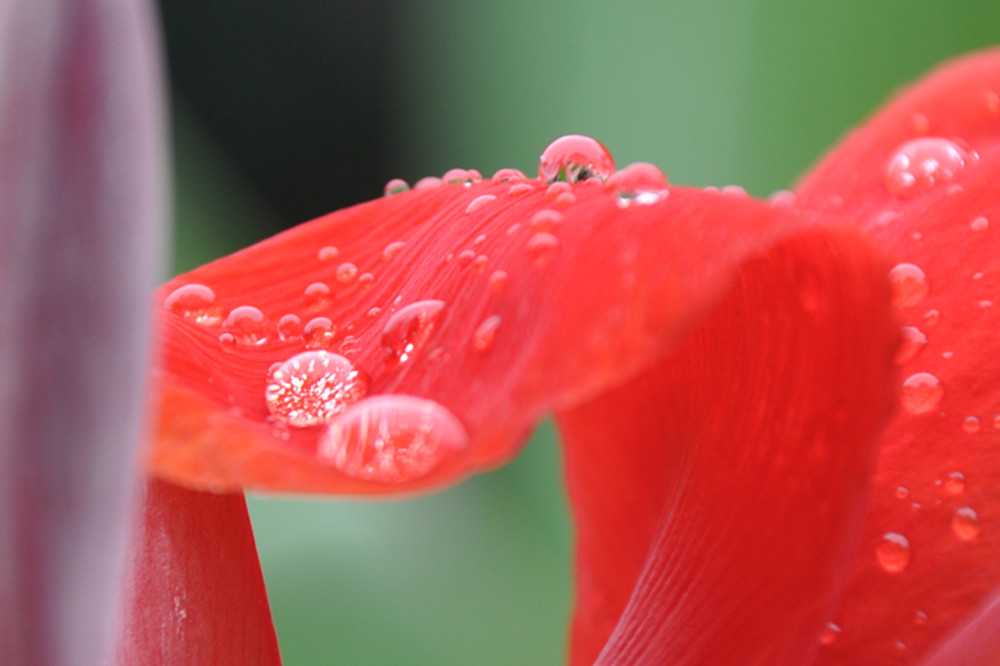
x=82 y=212
x=194 y=591
x=718 y=495
x=975 y=643
x=938 y=473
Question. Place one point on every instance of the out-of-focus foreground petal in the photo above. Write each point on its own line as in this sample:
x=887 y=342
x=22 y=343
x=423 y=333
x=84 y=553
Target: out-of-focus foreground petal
x=82 y=211
x=718 y=496
x=923 y=176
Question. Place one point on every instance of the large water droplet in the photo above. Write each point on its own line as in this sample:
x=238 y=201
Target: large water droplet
x=919 y=165
x=427 y=182
x=485 y=334
x=912 y=343
x=312 y=387
x=247 y=325
x=408 y=330
x=197 y=302
x=909 y=285
x=970 y=425
x=396 y=186
x=391 y=250
x=508 y=175
x=921 y=393
x=461 y=176
x=893 y=552
x=575 y=157
x=498 y=279
x=346 y=272
x=392 y=438
x=640 y=183
x=965 y=523
x=328 y=253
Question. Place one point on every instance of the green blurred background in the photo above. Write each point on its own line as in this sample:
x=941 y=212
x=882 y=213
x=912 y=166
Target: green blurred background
x=286 y=110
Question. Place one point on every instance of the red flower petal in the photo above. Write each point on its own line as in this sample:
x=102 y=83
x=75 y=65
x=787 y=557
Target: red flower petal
x=718 y=495
x=194 y=593
x=938 y=474
x=539 y=309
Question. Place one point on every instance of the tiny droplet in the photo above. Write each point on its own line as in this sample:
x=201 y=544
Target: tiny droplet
x=965 y=523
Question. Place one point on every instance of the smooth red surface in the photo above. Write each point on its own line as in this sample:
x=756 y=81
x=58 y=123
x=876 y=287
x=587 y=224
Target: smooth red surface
x=939 y=230
x=194 y=593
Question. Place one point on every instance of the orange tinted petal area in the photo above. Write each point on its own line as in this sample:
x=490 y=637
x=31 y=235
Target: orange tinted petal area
x=194 y=593
x=718 y=494
x=938 y=474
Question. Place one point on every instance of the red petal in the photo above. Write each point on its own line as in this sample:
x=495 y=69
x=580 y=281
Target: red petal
x=194 y=593
x=719 y=493
x=937 y=477
x=587 y=302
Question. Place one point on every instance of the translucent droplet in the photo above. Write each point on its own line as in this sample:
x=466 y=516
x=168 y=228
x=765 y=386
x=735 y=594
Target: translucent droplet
x=919 y=165
x=911 y=345
x=519 y=188
x=954 y=483
x=979 y=224
x=328 y=253
x=735 y=191
x=545 y=220
x=465 y=257
x=965 y=523
x=565 y=199
x=408 y=330
x=392 y=438
x=830 y=634
x=374 y=312
x=902 y=493
x=996 y=422
x=391 y=250
x=573 y=158
x=319 y=333
x=784 y=198
x=553 y=191
x=479 y=202
x=932 y=317
x=479 y=240
x=639 y=183
x=289 y=327
x=316 y=296
x=312 y=387
x=485 y=334
x=909 y=285
x=461 y=176
x=498 y=279
x=427 y=182
x=479 y=263
x=893 y=552
x=919 y=618
x=970 y=425
x=247 y=325
x=508 y=176
x=366 y=280
x=227 y=341
x=346 y=272
x=921 y=393
x=396 y=186
x=196 y=302
x=542 y=248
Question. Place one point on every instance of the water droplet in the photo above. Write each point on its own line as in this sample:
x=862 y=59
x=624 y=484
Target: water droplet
x=498 y=279
x=366 y=280
x=312 y=387
x=784 y=198
x=992 y=102
x=479 y=202
x=328 y=253
x=408 y=330
x=228 y=343
x=565 y=199
x=289 y=327
x=921 y=393
x=391 y=250
x=970 y=425
x=899 y=645
x=979 y=224
x=545 y=220
x=247 y=325
x=461 y=176
x=918 y=165
x=640 y=183
x=735 y=191
x=319 y=333
x=909 y=285
x=485 y=334
x=919 y=618
x=573 y=158
x=197 y=302
x=893 y=552
x=932 y=317
x=996 y=422
x=831 y=632
x=374 y=312
x=392 y=438
x=346 y=272
x=396 y=186
x=519 y=188
x=316 y=296
x=555 y=189
x=911 y=345
x=965 y=523
x=542 y=248
x=427 y=182
x=508 y=176
x=954 y=483
x=902 y=493
x=465 y=257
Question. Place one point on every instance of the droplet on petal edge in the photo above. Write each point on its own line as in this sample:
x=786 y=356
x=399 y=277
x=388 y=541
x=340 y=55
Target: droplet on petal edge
x=954 y=483
x=979 y=224
x=830 y=634
x=508 y=176
x=396 y=186
x=970 y=425
x=312 y=387
x=893 y=552
x=921 y=393
x=543 y=248
x=919 y=165
x=574 y=158
x=408 y=330
x=196 y=302
x=391 y=439
x=639 y=183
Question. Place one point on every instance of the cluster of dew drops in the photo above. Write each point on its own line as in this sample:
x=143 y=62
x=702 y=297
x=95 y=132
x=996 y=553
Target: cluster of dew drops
x=915 y=168
x=396 y=438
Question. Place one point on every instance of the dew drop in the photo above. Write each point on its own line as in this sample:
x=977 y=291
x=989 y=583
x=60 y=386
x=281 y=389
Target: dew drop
x=461 y=176
x=542 y=248
x=919 y=165
x=346 y=272
x=247 y=325
x=640 y=183
x=427 y=182
x=312 y=387
x=485 y=334
x=893 y=552
x=392 y=438
x=831 y=632
x=328 y=253
x=519 y=188
x=545 y=220
x=573 y=158
x=970 y=425
x=909 y=285
x=319 y=333
x=954 y=483
x=196 y=302
x=479 y=263
x=508 y=176
x=498 y=279
x=408 y=330
x=979 y=224
x=919 y=618
x=316 y=296
x=396 y=186
x=902 y=493
x=965 y=523
x=391 y=250
x=289 y=327
x=911 y=345
x=921 y=393
x=227 y=341
x=479 y=202
x=465 y=257
x=366 y=280
x=784 y=198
